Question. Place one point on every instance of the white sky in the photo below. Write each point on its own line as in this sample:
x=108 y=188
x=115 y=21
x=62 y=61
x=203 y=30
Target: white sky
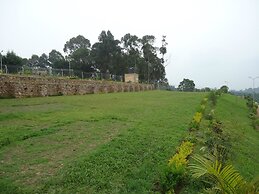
x=212 y=42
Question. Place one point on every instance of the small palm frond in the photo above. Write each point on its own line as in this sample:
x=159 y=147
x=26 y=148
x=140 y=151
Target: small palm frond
x=232 y=180
x=226 y=178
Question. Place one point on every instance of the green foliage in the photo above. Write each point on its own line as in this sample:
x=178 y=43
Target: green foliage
x=213 y=97
x=201 y=109
x=106 y=53
x=224 y=89
x=252 y=106
x=180 y=158
x=33 y=61
x=223 y=178
x=43 y=61
x=243 y=138
x=12 y=58
x=234 y=141
x=109 y=55
x=57 y=60
x=210 y=115
x=195 y=123
x=75 y=43
x=175 y=172
x=216 y=126
x=186 y=85
x=204 y=101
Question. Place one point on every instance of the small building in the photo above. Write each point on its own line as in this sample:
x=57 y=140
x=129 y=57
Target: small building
x=131 y=77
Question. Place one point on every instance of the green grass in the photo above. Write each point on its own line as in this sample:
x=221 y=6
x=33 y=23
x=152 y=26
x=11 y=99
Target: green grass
x=233 y=112
x=107 y=143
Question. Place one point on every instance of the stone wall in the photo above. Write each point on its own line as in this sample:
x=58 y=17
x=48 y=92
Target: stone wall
x=28 y=86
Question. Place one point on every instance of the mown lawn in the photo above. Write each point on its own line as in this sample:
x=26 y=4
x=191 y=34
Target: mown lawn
x=106 y=143
x=233 y=112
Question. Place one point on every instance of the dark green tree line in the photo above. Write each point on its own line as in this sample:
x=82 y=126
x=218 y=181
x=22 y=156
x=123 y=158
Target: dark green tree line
x=130 y=54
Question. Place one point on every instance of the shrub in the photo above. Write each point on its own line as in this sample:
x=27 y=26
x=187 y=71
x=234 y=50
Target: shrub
x=216 y=126
x=195 y=123
x=204 y=101
x=180 y=158
x=201 y=109
x=176 y=168
x=210 y=115
x=213 y=97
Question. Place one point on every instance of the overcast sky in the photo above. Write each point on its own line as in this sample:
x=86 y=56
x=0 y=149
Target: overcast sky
x=213 y=42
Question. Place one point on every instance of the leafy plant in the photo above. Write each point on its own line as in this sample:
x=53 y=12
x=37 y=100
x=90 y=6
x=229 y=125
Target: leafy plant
x=175 y=171
x=224 y=179
x=204 y=101
x=213 y=98
x=216 y=126
x=180 y=158
x=195 y=123
x=210 y=115
x=201 y=109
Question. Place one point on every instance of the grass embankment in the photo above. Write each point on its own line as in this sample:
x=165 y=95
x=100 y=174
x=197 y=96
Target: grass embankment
x=110 y=143
x=234 y=114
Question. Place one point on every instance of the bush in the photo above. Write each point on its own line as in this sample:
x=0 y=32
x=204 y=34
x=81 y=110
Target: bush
x=204 y=101
x=213 y=98
x=201 y=109
x=175 y=171
x=195 y=123
x=216 y=126
x=211 y=115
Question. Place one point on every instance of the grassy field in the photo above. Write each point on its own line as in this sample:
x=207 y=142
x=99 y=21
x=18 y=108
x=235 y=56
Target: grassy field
x=233 y=112
x=238 y=136
x=107 y=143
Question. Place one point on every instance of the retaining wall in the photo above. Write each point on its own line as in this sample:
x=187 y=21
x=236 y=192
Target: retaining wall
x=31 y=86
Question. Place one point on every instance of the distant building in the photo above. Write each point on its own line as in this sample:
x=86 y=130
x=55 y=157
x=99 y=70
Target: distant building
x=131 y=77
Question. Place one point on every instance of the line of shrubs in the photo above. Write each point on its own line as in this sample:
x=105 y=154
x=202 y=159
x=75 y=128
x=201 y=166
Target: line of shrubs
x=208 y=170
x=252 y=106
x=211 y=168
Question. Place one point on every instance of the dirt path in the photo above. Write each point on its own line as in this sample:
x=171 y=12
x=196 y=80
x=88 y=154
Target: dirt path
x=258 y=111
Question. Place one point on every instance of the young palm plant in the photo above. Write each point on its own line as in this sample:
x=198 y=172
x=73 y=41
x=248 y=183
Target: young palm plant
x=223 y=178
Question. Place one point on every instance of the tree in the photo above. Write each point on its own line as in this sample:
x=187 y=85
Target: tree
x=186 y=85
x=33 y=61
x=12 y=59
x=106 y=53
x=163 y=49
x=152 y=69
x=131 y=47
x=57 y=60
x=78 y=50
x=224 y=89
x=131 y=43
x=43 y=61
x=75 y=43
x=81 y=60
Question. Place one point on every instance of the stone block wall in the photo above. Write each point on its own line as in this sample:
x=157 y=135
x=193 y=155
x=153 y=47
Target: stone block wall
x=31 y=86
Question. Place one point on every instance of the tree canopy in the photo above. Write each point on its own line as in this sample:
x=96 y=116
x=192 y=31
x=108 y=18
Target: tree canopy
x=129 y=54
x=12 y=59
x=186 y=85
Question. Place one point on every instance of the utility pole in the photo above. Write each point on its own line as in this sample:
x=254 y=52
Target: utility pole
x=253 y=78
